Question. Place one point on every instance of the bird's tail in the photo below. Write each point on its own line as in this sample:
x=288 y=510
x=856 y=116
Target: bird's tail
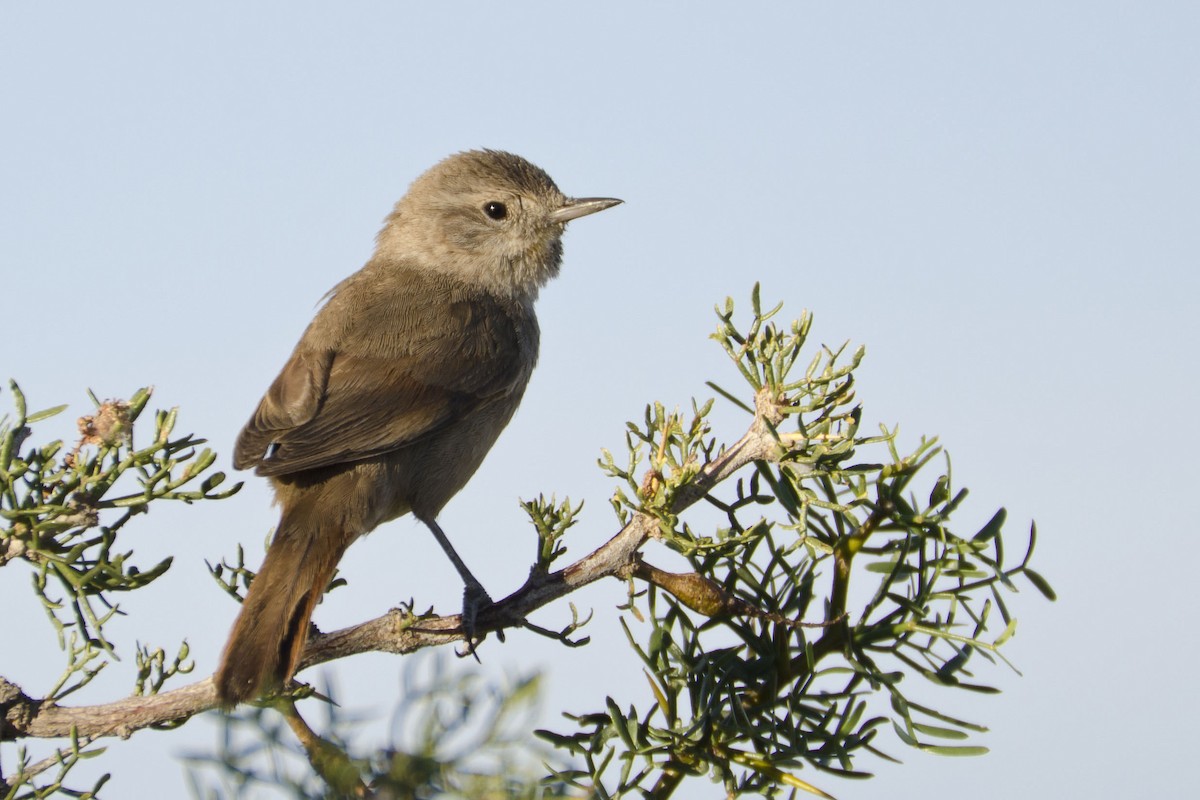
x=268 y=637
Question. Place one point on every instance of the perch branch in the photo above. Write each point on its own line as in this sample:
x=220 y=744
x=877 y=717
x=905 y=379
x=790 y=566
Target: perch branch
x=395 y=631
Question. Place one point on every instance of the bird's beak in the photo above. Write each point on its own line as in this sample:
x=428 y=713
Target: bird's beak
x=576 y=207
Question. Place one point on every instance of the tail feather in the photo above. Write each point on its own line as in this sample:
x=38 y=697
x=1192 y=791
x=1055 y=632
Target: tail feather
x=269 y=635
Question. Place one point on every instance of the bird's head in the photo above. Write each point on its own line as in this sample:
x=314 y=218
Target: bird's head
x=485 y=216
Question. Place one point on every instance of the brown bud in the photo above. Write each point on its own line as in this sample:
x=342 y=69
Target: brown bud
x=108 y=426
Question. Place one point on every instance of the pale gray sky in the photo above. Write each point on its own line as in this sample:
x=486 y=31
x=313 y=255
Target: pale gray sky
x=1000 y=202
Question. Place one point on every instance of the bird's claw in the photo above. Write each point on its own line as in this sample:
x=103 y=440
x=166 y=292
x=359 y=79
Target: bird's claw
x=475 y=599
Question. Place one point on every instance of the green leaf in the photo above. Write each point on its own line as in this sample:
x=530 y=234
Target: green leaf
x=930 y=712
x=941 y=490
x=954 y=750
x=1007 y=633
x=992 y=528
x=944 y=733
x=619 y=722
x=903 y=734
x=729 y=396
x=1041 y=584
x=46 y=414
x=886 y=568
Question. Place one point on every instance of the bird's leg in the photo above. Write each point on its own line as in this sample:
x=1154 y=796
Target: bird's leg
x=475 y=597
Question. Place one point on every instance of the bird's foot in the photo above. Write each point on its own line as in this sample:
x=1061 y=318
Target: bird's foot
x=475 y=599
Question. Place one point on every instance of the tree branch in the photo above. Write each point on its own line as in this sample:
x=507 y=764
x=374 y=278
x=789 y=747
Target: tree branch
x=398 y=631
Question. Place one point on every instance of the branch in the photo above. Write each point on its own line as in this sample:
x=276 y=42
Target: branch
x=398 y=631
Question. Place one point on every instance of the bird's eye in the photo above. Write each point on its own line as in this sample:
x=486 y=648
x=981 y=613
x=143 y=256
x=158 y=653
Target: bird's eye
x=495 y=209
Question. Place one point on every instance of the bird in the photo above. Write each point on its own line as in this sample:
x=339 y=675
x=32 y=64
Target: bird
x=396 y=391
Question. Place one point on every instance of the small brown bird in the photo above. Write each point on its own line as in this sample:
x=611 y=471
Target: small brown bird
x=397 y=390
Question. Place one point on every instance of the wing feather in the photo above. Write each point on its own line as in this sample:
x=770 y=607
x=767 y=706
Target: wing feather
x=370 y=377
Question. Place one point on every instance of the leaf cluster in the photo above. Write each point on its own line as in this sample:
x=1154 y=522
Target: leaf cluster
x=62 y=511
x=830 y=585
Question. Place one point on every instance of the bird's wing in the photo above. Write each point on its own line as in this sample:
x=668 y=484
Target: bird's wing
x=383 y=383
